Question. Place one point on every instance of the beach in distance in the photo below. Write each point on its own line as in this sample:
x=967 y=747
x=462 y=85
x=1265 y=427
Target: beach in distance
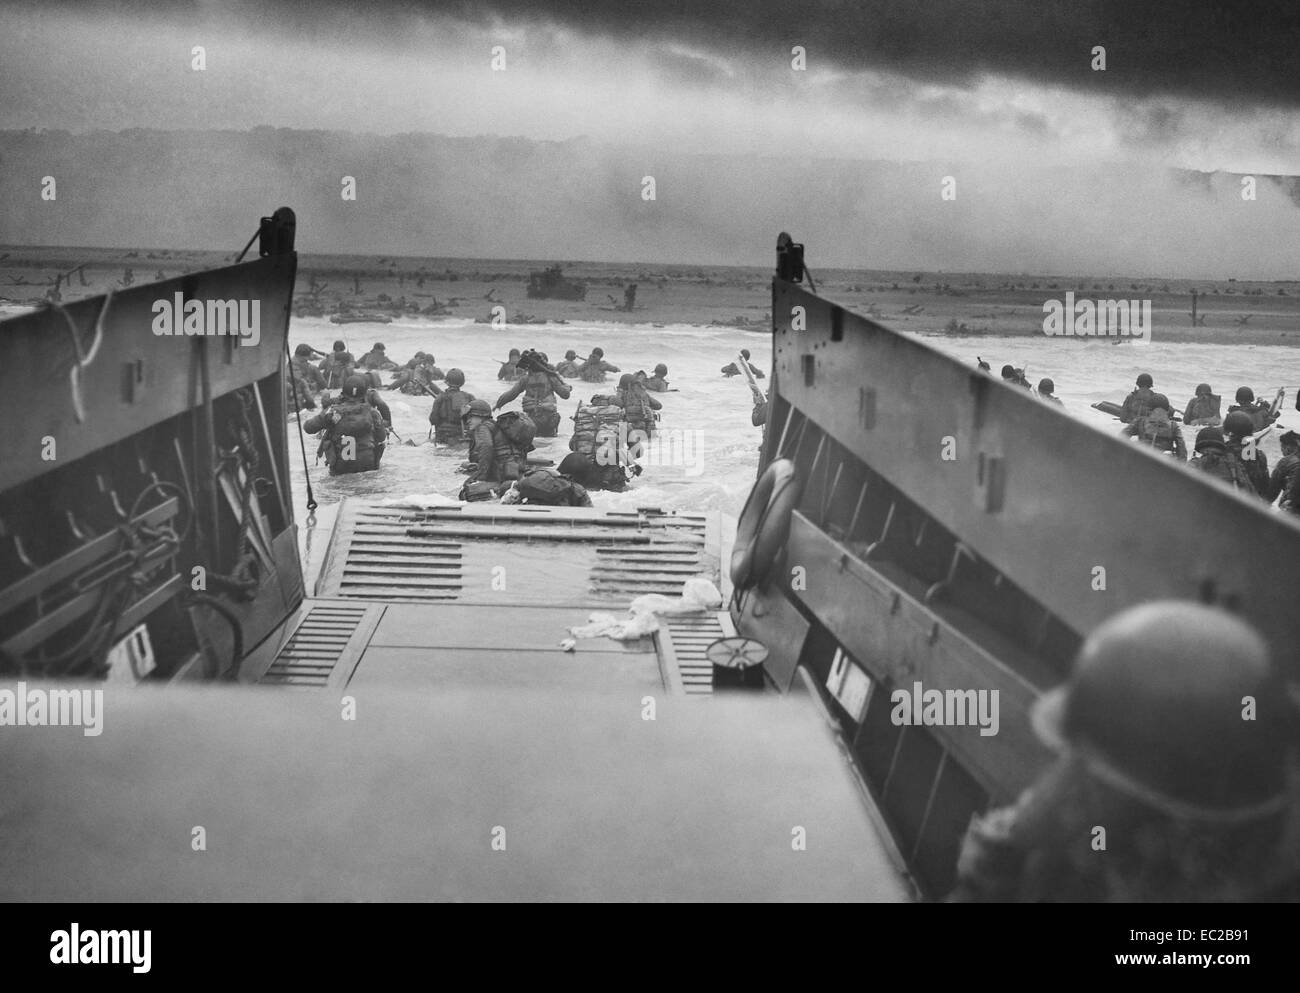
x=957 y=304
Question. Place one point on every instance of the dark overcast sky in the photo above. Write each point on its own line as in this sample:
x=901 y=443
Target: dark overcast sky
x=1002 y=88
x=1210 y=86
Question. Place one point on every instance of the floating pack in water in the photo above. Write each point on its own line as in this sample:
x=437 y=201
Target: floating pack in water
x=544 y=486
x=478 y=492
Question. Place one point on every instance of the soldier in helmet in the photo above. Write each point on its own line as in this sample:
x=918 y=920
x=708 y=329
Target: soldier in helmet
x=336 y=368
x=510 y=367
x=354 y=431
x=569 y=367
x=1155 y=749
x=1161 y=432
x=448 y=409
x=1014 y=377
x=377 y=359
x=658 y=383
x=1203 y=409
x=1047 y=392
x=304 y=380
x=1285 y=479
x=539 y=385
x=481 y=431
x=731 y=369
x=594 y=369
x=495 y=457
x=1140 y=403
x=1213 y=458
x=1259 y=412
x=1237 y=429
x=638 y=406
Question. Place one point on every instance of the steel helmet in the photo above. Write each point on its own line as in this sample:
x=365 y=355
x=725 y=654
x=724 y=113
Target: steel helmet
x=354 y=388
x=625 y=381
x=1210 y=439
x=598 y=353
x=1046 y=386
x=744 y=353
x=477 y=408
x=339 y=346
x=455 y=377
x=1155 y=708
x=303 y=350
x=576 y=465
x=1203 y=389
x=379 y=347
x=661 y=370
x=1144 y=379
x=1245 y=395
x=570 y=355
x=1238 y=424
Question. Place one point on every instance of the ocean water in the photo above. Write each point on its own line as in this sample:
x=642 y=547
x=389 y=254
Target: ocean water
x=710 y=452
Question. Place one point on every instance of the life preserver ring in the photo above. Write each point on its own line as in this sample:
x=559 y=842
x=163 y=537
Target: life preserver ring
x=764 y=524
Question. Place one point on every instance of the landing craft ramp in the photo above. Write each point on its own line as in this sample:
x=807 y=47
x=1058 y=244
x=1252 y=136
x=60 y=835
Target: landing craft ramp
x=482 y=595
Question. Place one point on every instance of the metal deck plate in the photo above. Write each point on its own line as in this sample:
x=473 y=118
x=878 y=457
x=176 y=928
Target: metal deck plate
x=514 y=555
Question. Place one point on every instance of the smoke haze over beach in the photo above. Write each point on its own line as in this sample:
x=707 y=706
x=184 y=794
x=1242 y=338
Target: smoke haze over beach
x=1058 y=167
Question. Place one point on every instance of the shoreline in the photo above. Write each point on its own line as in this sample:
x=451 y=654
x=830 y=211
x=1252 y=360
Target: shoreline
x=1229 y=312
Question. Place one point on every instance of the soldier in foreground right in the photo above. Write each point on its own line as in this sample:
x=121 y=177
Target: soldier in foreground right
x=1176 y=776
x=1237 y=430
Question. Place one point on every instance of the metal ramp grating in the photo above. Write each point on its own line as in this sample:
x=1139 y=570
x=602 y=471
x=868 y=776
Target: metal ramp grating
x=688 y=636
x=382 y=562
x=661 y=566
x=316 y=646
x=553 y=556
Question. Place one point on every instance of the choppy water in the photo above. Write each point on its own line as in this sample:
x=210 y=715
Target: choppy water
x=1084 y=371
x=716 y=463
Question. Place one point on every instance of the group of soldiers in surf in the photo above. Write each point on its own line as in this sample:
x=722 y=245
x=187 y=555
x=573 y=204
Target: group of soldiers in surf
x=610 y=428
x=1226 y=446
x=1045 y=391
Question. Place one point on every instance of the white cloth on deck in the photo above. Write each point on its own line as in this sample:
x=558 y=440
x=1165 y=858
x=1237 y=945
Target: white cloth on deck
x=698 y=593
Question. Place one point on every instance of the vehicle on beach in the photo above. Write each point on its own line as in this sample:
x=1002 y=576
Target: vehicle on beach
x=378 y=700
x=550 y=284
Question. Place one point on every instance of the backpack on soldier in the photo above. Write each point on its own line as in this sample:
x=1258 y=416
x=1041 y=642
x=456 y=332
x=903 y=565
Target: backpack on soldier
x=519 y=428
x=1158 y=429
x=544 y=486
x=354 y=420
